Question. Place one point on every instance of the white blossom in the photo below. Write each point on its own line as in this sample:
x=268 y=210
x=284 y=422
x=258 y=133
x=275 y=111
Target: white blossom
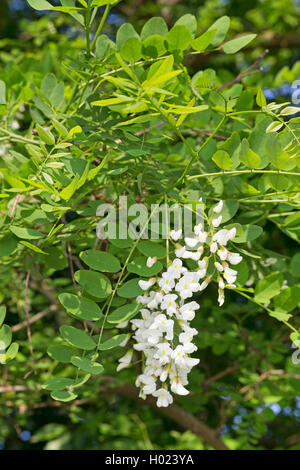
x=218 y=208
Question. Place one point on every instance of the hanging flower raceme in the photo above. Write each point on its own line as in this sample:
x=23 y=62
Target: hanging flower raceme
x=168 y=307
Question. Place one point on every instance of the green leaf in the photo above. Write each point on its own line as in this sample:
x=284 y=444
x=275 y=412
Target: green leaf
x=95 y=284
x=268 y=287
x=44 y=107
x=5 y=336
x=80 y=307
x=124 y=313
x=32 y=247
x=112 y=342
x=2 y=313
x=233 y=46
x=60 y=128
x=247 y=233
x=131 y=49
x=229 y=209
x=279 y=160
x=189 y=21
x=248 y=156
x=55 y=259
x=100 y=3
x=138 y=266
x=57 y=383
x=154 y=26
x=104 y=45
x=87 y=365
x=77 y=338
x=287 y=300
x=69 y=190
x=222 y=26
x=61 y=353
x=280 y=316
x=2 y=92
x=260 y=99
x=125 y=32
x=45 y=135
x=274 y=127
x=152 y=249
x=101 y=261
x=130 y=289
x=109 y=102
x=202 y=42
x=11 y=352
x=222 y=160
x=26 y=233
x=295 y=265
x=8 y=244
x=179 y=38
x=154 y=46
x=40 y=4
x=63 y=395
x=289 y=110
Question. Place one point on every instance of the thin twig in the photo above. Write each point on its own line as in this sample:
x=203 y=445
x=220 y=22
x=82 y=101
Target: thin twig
x=34 y=319
x=254 y=68
x=27 y=316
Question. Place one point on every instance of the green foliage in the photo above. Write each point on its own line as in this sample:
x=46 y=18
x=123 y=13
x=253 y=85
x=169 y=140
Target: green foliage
x=103 y=118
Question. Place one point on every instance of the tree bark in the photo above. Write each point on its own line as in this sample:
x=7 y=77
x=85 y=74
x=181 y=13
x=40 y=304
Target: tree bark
x=180 y=416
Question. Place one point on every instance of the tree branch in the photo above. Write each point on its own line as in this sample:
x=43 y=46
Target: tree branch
x=254 y=68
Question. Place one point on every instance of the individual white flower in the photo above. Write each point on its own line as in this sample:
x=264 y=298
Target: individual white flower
x=155 y=299
x=176 y=235
x=163 y=353
x=201 y=236
x=153 y=336
x=123 y=324
x=213 y=247
x=179 y=356
x=178 y=388
x=191 y=362
x=147 y=382
x=167 y=282
x=145 y=285
x=194 y=255
x=125 y=360
x=223 y=236
x=187 y=335
x=180 y=251
x=198 y=229
x=230 y=275
x=221 y=297
x=164 y=398
x=176 y=268
x=187 y=311
x=150 y=262
x=189 y=348
x=125 y=341
x=188 y=284
x=205 y=283
x=191 y=242
x=223 y=253
x=163 y=325
x=218 y=208
x=234 y=258
x=219 y=266
x=232 y=233
x=216 y=222
x=221 y=283
x=169 y=303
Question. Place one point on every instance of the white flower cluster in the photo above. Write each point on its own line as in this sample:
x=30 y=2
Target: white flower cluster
x=164 y=334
